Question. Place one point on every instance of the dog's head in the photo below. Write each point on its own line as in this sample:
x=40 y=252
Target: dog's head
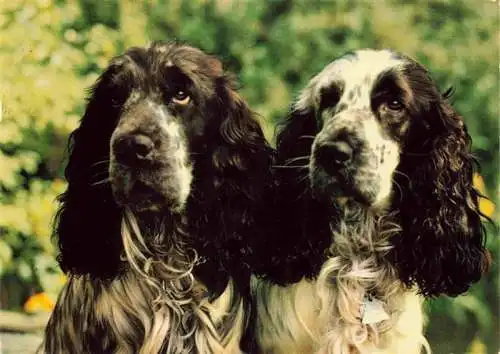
x=362 y=105
x=378 y=133
x=164 y=135
x=161 y=120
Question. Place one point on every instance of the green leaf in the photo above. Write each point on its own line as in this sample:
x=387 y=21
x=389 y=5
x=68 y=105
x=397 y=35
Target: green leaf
x=5 y=256
x=24 y=271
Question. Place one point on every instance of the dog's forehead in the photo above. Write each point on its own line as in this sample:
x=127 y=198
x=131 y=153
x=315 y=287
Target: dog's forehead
x=166 y=66
x=353 y=73
x=188 y=59
x=361 y=67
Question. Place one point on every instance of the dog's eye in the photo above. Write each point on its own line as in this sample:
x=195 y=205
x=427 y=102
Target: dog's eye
x=181 y=97
x=329 y=97
x=395 y=104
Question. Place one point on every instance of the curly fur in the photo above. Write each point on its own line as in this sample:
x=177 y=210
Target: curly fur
x=439 y=207
x=343 y=237
x=171 y=278
x=314 y=316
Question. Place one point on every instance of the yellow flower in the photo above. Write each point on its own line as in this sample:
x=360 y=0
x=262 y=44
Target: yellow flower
x=40 y=302
x=486 y=206
x=478 y=182
x=477 y=347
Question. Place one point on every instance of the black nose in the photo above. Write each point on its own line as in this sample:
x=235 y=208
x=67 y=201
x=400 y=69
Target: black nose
x=333 y=154
x=133 y=148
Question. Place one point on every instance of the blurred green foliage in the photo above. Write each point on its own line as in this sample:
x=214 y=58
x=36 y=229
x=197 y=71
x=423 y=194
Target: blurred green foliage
x=52 y=50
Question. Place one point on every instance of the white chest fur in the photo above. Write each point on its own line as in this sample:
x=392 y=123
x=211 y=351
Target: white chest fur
x=295 y=320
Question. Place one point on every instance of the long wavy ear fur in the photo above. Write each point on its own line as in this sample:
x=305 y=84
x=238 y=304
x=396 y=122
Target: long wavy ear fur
x=87 y=225
x=297 y=248
x=441 y=248
x=234 y=208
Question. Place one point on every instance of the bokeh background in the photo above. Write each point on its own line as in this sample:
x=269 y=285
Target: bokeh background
x=51 y=51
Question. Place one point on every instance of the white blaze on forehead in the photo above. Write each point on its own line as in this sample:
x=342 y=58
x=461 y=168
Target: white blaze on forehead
x=359 y=69
x=355 y=68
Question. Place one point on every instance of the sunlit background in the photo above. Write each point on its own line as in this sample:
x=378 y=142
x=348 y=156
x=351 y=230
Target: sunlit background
x=52 y=51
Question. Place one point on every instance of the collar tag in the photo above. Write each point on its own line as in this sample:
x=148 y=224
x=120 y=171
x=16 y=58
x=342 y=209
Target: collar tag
x=372 y=311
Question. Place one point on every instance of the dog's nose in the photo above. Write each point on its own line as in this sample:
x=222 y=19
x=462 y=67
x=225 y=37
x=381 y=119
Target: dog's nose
x=133 y=148
x=334 y=154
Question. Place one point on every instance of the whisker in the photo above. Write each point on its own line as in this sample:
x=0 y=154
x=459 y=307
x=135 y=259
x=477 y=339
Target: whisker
x=298 y=158
x=302 y=179
x=99 y=174
x=307 y=137
x=284 y=166
x=100 y=163
x=402 y=174
x=400 y=190
x=103 y=181
x=304 y=192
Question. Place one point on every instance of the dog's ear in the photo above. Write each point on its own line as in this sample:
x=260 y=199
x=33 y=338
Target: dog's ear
x=236 y=197
x=87 y=224
x=295 y=136
x=243 y=140
x=296 y=249
x=245 y=160
x=441 y=248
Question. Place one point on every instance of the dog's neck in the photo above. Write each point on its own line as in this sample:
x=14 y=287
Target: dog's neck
x=357 y=268
x=148 y=245
x=156 y=245
x=358 y=231
x=358 y=254
x=159 y=291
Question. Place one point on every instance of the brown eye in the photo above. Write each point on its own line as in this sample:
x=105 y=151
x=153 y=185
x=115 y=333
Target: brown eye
x=181 y=97
x=395 y=105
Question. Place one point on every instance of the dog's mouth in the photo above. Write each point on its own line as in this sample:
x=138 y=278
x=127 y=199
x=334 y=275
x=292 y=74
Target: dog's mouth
x=340 y=188
x=153 y=194
x=143 y=197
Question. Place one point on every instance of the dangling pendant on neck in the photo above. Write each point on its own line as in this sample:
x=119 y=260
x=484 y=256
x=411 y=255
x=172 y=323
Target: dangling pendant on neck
x=372 y=310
